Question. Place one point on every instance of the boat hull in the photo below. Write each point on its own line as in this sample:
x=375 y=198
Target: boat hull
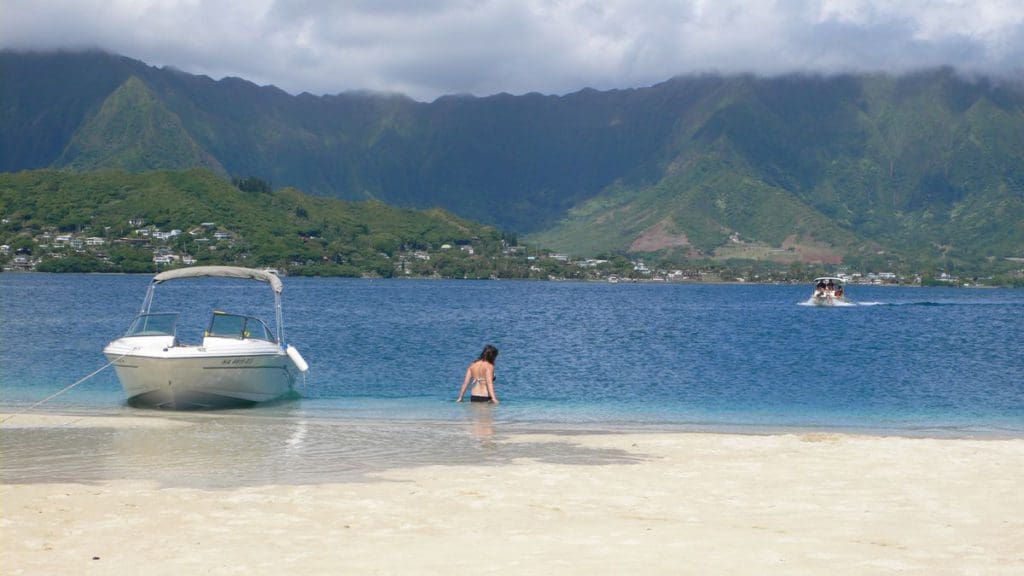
x=203 y=381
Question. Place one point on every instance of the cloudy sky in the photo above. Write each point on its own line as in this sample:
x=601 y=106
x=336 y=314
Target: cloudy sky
x=428 y=48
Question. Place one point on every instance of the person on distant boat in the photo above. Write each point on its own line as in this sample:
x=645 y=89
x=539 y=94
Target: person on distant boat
x=819 y=288
x=839 y=291
x=830 y=286
x=480 y=375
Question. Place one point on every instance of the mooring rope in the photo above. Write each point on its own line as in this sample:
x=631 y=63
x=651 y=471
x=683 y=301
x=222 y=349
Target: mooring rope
x=66 y=388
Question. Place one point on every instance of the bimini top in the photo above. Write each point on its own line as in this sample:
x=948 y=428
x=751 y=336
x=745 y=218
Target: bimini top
x=834 y=279
x=222 y=272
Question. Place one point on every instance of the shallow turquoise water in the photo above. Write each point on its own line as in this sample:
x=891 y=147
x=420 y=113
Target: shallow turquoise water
x=572 y=354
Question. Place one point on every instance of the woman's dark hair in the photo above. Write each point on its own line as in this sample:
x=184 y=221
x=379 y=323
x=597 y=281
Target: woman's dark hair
x=489 y=354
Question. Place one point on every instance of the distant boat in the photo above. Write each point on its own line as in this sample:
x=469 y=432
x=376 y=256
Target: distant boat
x=240 y=360
x=829 y=291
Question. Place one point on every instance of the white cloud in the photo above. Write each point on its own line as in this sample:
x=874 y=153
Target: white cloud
x=426 y=49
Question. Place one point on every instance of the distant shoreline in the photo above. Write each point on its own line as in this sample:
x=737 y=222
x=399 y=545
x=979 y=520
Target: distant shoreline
x=580 y=280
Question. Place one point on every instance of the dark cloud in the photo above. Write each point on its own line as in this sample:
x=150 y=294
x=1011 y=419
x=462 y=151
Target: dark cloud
x=429 y=48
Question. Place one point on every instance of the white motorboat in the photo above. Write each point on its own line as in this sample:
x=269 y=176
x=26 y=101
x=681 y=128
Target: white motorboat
x=240 y=361
x=829 y=291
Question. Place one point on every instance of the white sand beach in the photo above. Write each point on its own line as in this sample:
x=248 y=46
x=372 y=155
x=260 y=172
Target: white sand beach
x=669 y=503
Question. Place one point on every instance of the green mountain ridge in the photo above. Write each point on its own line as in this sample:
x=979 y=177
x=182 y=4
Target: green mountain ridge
x=925 y=167
x=885 y=167
x=134 y=131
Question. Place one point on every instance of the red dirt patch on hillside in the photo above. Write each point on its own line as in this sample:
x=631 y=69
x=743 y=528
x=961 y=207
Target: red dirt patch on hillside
x=657 y=237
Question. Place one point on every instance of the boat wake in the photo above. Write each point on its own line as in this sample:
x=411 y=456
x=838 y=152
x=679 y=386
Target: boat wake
x=926 y=303
x=932 y=303
x=837 y=304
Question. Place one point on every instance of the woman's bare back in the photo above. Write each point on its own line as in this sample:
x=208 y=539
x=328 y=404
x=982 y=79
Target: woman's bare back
x=481 y=372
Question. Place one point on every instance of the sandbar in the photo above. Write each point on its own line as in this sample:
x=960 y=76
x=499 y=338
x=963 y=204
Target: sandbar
x=646 y=503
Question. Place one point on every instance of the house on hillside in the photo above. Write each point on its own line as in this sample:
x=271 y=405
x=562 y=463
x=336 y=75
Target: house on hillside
x=22 y=264
x=164 y=259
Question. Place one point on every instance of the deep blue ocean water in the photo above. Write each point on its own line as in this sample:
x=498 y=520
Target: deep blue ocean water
x=573 y=354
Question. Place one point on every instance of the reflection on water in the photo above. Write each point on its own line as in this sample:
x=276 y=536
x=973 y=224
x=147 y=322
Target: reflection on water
x=481 y=423
x=227 y=450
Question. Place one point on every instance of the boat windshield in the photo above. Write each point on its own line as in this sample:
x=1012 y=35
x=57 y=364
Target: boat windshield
x=153 y=325
x=241 y=327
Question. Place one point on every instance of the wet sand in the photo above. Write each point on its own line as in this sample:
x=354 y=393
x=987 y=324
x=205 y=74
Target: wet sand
x=526 y=503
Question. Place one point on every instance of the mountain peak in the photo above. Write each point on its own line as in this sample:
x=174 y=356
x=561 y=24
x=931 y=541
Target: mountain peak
x=134 y=131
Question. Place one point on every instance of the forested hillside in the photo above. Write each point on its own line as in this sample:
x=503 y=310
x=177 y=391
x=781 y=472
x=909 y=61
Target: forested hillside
x=137 y=222
x=925 y=168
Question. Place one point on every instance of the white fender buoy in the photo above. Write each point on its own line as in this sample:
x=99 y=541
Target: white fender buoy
x=300 y=362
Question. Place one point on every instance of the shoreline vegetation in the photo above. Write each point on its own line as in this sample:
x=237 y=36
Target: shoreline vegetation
x=111 y=221
x=799 y=503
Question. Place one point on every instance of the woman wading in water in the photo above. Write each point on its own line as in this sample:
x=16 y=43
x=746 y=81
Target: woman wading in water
x=480 y=375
